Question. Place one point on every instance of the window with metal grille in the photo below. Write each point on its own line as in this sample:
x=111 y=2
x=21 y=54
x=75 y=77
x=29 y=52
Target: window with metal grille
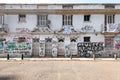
x=86 y=17
x=42 y=20
x=109 y=19
x=22 y=18
x=67 y=19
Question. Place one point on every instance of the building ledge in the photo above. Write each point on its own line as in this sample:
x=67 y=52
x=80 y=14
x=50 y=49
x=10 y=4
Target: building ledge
x=110 y=33
x=3 y=33
x=60 y=11
x=41 y=33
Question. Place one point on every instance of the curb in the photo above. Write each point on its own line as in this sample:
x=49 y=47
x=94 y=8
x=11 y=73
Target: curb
x=61 y=59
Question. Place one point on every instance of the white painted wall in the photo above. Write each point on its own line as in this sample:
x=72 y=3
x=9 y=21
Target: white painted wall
x=117 y=6
x=117 y=18
x=31 y=6
x=34 y=6
x=54 y=6
x=96 y=20
x=88 y=7
x=20 y=6
x=56 y=22
x=13 y=23
x=94 y=37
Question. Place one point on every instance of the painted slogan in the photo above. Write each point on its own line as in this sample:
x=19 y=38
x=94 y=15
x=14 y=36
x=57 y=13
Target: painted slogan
x=84 y=47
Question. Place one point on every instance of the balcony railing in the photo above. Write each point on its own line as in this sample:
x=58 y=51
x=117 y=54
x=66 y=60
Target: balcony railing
x=4 y=28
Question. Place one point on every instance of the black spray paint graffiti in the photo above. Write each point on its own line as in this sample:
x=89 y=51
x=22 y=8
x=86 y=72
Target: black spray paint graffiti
x=87 y=28
x=88 y=46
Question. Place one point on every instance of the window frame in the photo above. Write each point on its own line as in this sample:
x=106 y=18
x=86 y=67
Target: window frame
x=87 y=18
x=22 y=17
x=110 y=19
x=67 y=6
x=87 y=39
x=67 y=20
x=42 y=20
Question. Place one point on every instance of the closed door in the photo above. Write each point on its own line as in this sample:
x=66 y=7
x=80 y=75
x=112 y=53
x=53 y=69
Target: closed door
x=48 y=48
x=73 y=48
x=61 y=48
x=35 y=50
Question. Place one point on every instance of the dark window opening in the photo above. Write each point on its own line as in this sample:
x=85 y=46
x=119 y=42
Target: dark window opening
x=35 y=39
x=22 y=18
x=86 y=39
x=86 y=17
x=21 y=39
x=61 y=40
x=109 y=6
x=73 y=40
x=48 y=39
x=67 y=6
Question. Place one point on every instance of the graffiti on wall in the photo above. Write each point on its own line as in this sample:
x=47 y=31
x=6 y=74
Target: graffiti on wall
x=1 y=47
x=117 y=42
x=112 y=27
x=108 y=43
x=90 y=46
x=13 y=44
x=42 y=48
x=67 y=29
x=23 y=30
x=87 y=28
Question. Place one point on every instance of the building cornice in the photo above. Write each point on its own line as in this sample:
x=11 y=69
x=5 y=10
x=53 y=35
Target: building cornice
x=60 y=11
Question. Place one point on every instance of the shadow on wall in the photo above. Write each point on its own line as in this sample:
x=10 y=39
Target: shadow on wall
x=8 y=78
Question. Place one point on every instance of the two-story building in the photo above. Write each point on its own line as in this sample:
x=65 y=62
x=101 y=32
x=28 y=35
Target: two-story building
x=27 y=26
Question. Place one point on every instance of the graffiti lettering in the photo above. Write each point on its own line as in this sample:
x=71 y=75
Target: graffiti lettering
x=87 y=28
x=22 y=29
x=94 y=46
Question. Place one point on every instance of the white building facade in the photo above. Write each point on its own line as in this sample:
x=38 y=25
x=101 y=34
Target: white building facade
x=35 y=29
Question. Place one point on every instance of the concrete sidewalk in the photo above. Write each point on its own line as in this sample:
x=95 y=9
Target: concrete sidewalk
x=63 y=59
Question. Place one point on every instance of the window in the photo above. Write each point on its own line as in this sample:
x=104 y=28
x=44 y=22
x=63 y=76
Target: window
x=42 y=20
x=109 y=6
x=109 y=19
x=67 y=19
x=21 y=39
x=86 y=17
x=67 y=6
x=86 y=39
x=22 y=18
x=35 y=39
x=48 y=39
